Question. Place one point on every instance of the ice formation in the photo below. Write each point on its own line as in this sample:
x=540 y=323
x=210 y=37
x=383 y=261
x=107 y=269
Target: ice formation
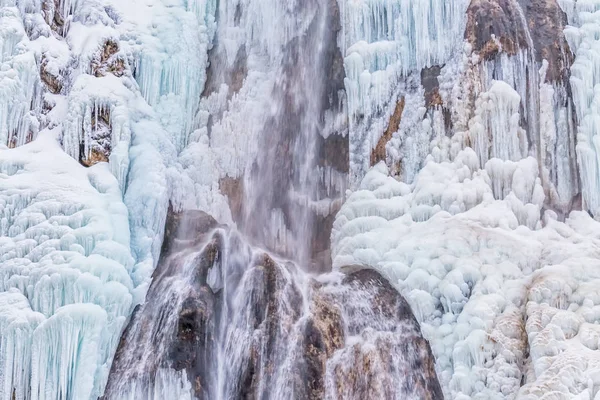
x=585 y=21
x=383 y=41
x=473 y=161
x=96 y=81
x=472 y=208
x=65 y=276
x=502 y=295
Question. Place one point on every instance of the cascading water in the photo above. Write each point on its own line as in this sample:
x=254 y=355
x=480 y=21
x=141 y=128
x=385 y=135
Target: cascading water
x=281 y=184
x=226 y=320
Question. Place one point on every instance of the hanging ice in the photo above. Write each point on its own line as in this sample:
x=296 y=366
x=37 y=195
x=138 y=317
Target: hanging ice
x=382 y=41
x=584 y=79
x=64 y=251
x=467 y=249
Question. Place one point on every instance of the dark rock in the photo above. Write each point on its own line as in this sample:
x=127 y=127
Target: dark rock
x=185 y=226
x=546 y=22
x=334 y=152
x=494 y=22
x=429 y=81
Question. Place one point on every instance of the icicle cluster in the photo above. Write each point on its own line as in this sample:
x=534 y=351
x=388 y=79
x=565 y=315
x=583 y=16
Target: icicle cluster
x=383 y=41
x=78 y=246
x=65 y=289
x=486 y=277
x=19 y=80
x=585 y=76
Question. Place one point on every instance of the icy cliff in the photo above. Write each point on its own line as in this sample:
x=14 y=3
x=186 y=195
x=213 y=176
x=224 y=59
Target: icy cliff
x=481 y=164
x=465 y=130
x=90 y=90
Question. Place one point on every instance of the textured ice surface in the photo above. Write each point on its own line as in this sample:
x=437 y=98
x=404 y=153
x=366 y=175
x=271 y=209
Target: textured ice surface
x=78 y=246
x=65 y=256
x=582 y=35
x=382 y=41
x=487 y=278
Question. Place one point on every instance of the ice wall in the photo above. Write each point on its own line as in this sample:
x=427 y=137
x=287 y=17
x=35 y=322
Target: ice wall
x=99 y=81
x=65 y=284
x=582 y=35
x=503 y=296
x=403 y=103
x=384 y=41
x=477 y=166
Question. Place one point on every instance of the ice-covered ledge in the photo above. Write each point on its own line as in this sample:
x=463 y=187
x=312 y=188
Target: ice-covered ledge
x=503 y=296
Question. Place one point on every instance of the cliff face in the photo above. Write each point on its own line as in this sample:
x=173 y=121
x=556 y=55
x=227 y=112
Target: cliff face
x=486 y=158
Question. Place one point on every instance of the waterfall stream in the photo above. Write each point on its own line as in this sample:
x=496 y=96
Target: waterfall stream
x=237 y=314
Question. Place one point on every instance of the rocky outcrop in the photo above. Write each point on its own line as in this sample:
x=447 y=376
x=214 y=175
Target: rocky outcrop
x=241 y=325
x=506 y=26
x=108 y=60
x=495 y=26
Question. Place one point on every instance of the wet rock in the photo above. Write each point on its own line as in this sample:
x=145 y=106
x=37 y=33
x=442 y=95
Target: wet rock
x=334 y=152
x=183 y=227
x=547 y=21
x=233 y=188
x=220 y=305
x=372 y=369
x=379 y=153
x=494 y=26
x=324 y=334
x=429 y=81
x=218 y=73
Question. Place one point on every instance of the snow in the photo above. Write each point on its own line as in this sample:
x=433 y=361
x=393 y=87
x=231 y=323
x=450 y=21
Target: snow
x=486 y=277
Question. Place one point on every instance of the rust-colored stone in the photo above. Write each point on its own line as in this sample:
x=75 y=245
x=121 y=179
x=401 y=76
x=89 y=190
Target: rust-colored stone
x=233 y=188
x=379 y=152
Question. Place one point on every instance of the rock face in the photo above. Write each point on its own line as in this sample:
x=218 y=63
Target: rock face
x=495 y=26
x=239 y=324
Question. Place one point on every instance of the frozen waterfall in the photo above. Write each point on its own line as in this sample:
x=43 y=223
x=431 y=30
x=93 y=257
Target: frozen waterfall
x=299 y=199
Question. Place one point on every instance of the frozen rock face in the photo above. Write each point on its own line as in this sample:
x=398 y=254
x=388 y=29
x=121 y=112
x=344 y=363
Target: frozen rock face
x=480 y=176
x=447 y=96
x=224 y=320
x=84 y=160
x=65 y=259
x=504 y=297
x=465 y=130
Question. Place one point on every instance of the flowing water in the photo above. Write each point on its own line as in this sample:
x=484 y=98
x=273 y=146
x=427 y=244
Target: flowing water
x=225 y=319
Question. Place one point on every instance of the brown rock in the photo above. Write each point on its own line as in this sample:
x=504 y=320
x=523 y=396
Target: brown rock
x=546 y=22
x=379 y=153
x=233 y=188
x=494 y=22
